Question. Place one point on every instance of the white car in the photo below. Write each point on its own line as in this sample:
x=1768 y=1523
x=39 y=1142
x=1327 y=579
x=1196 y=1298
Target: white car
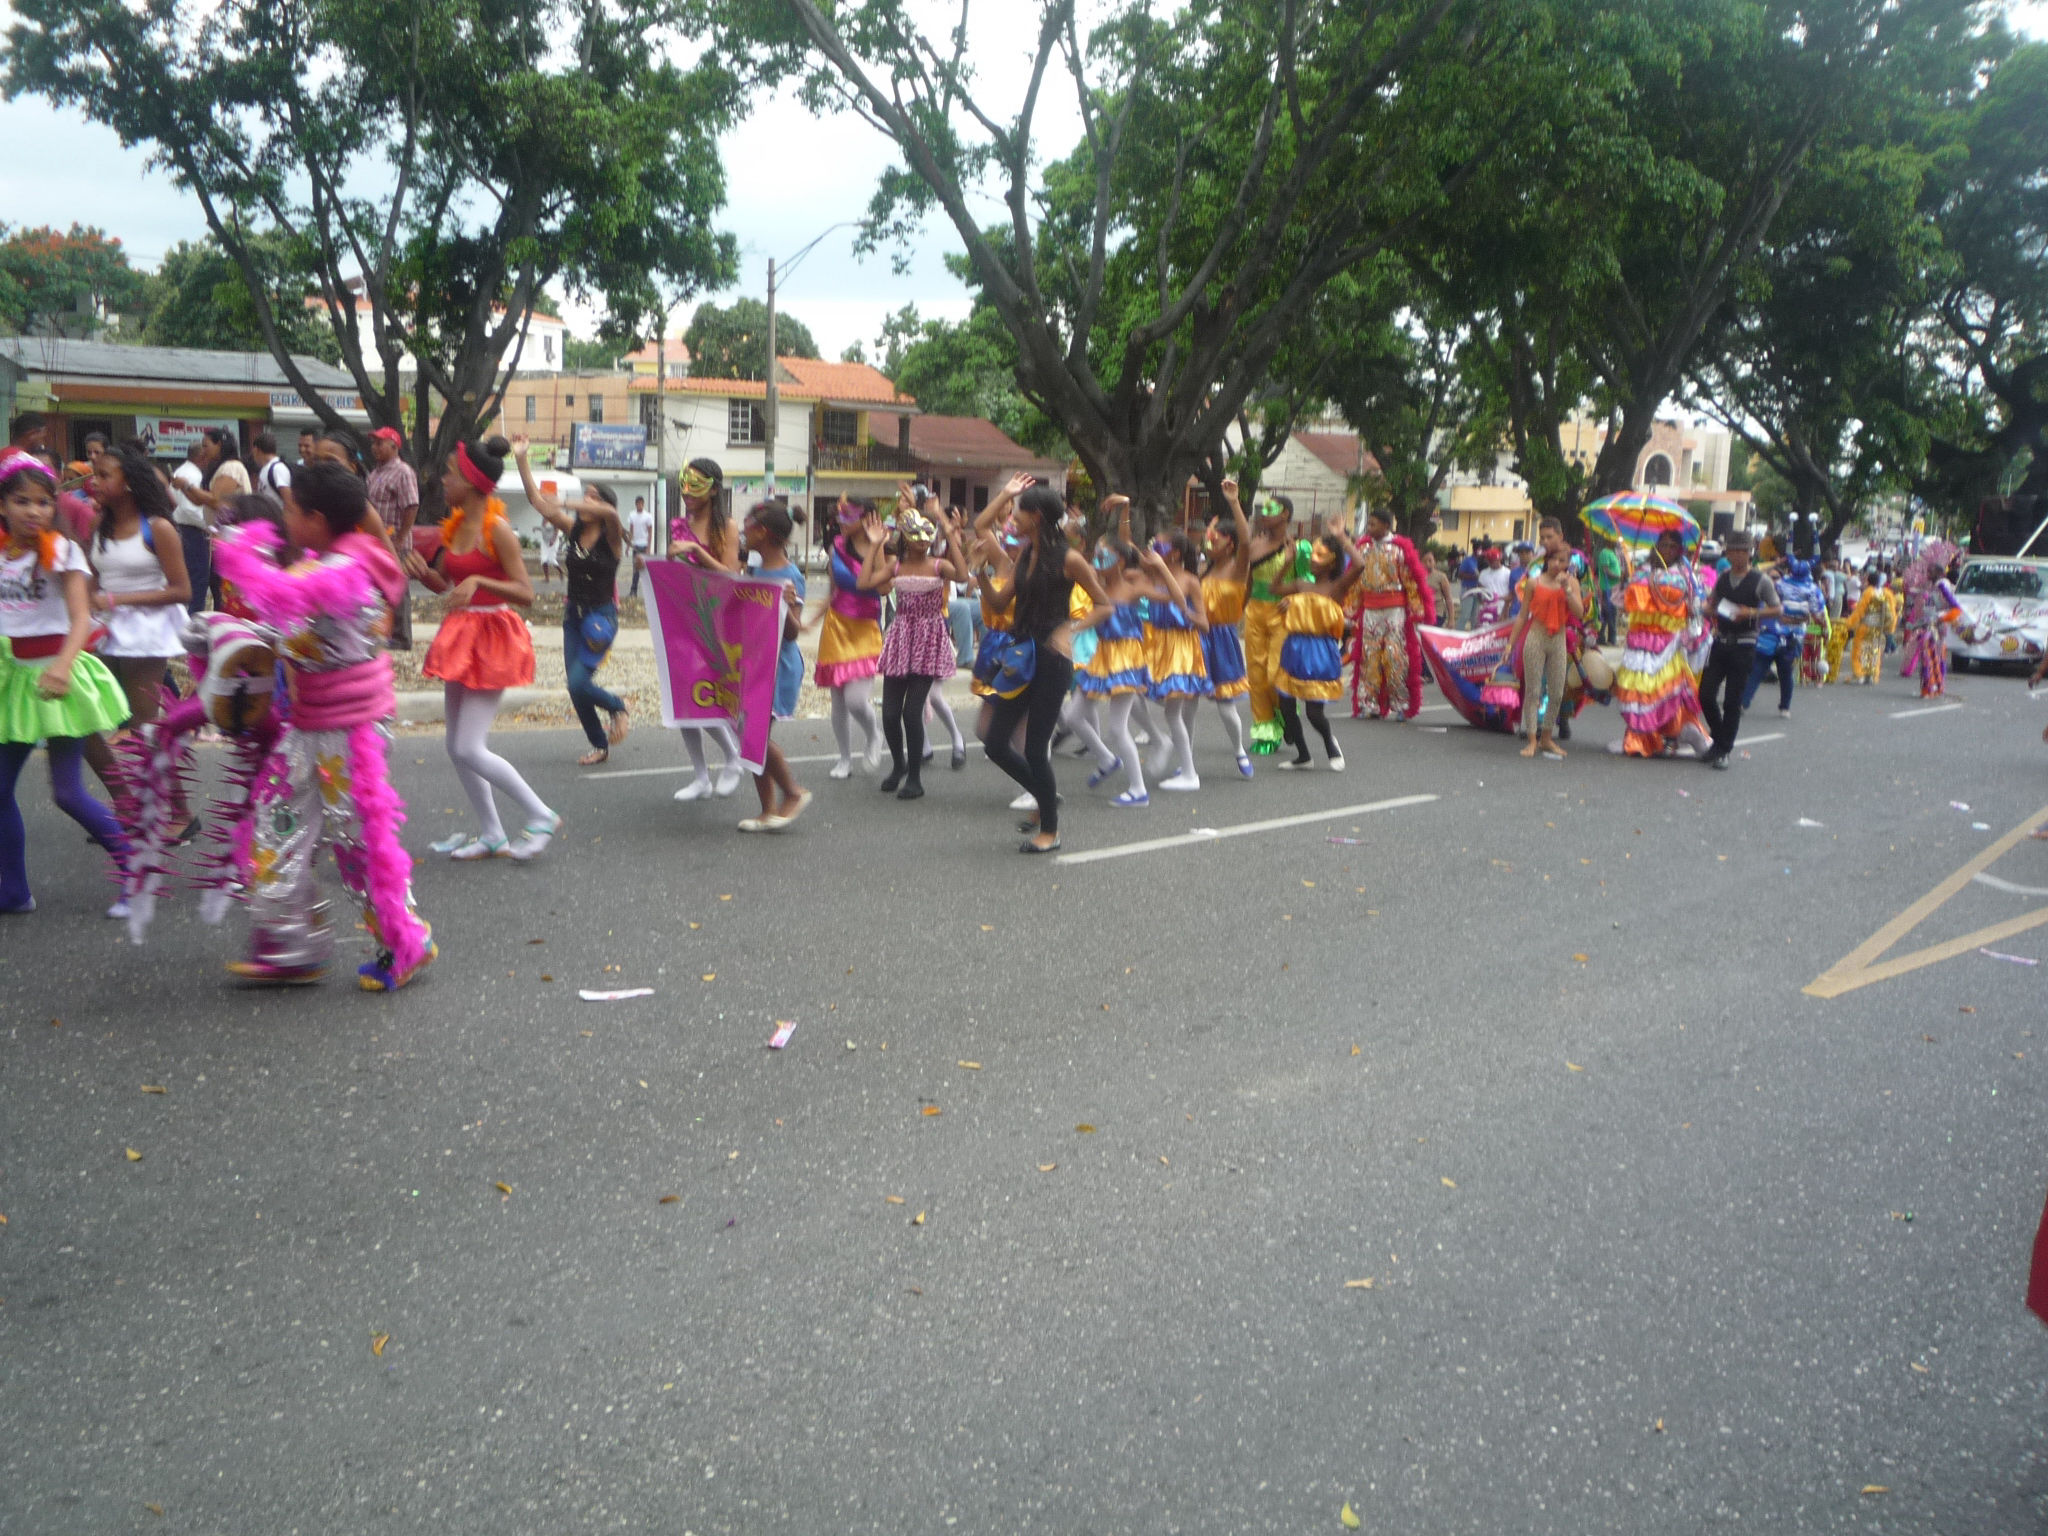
x=2005 y=612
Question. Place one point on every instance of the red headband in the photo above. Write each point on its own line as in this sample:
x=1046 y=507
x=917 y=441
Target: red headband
x=466 y=467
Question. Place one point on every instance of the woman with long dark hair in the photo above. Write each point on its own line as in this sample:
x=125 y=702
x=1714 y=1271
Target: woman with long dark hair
x=593 y=542
x=1039 y=596
x=705 y=535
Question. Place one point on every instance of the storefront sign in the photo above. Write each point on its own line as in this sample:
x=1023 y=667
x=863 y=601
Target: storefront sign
x=168 y=437
x=289 y=400
x=603 y=446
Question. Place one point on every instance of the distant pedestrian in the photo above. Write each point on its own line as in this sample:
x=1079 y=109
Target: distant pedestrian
x=1742 y=598
x=550 y=548
x=640 y=534
x=272 y=475
x=394 y=491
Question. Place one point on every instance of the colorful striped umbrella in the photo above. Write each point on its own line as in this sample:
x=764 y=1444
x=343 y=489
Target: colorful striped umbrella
x=1639 y=518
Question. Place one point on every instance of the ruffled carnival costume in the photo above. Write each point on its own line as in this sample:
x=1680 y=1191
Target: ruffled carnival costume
x=486 y=646
x=1389 y=601
x=995 y=626
x=326 y=778
x=1311 y=654
x=1656 y=687
x=850 y=643
x=1867 y=625
x=1931 y=606
x=1222 y=644
x=1263 y=632
x=1174 y=654
x=1119 y=664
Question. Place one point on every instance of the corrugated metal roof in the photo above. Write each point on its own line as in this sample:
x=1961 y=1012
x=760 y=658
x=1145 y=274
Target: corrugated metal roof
x=180 y=365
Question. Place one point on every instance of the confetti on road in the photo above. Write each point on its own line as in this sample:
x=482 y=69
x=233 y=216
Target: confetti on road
x=783 y=1030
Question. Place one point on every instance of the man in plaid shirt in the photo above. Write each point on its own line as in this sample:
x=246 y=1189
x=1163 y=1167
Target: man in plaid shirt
x=395 y=492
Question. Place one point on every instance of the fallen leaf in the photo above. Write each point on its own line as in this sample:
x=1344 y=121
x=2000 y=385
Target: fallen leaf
x=711 y=975
x=1359 y=1285
x=725 y=898
x=502 y=1187
x=1449 y=1183
x=988 y=927
x=377 y=1344
x=155 y=1509
x=641 y=1081
x=1966 y=1008
x=536 y=941
x=1918 y=1367
x=932 y=1109
x=1658 y=1427
x=153 y=1088
x=696 y=925
x=731 y=1156
x=1047 y=1167
x=56 y=1023
x=917 y=1220
x=3 y=1220
x=913 y=1290
x=544 y=976
x=668 y=1199
x=1350 y=1518
x=1582 y=959
x=1870 y=1488
x=1575 y=1066
x=586 y=1033
x=1085 y=1130
x=1354 y=1050
x=1310 y=884
x=971 y=1066
x=134 y=1156
x=1164 y=1163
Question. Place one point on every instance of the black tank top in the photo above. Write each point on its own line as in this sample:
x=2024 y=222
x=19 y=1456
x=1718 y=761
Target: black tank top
x=593 y=572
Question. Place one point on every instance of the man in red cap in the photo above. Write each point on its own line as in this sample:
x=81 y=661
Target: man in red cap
x=395 y=492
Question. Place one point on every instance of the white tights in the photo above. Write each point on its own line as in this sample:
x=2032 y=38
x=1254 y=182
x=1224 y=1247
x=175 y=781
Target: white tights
x=693 y=743
x=468 y=714
x=1119 y=738
x=935 y=704
x=1179 y=748
x=1233 y=721
x=1079 y=715
x=850 y=702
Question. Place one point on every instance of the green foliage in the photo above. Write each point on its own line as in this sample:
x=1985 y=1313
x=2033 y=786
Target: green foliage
x=598 y=353
x=964 y=368
x=732 y=343
x=200 y=298
x=65 y=283
x=443 y=159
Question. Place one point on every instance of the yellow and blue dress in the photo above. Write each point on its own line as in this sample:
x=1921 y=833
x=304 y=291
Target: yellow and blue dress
x=1311 y=655
x=1118 y=665
x=1223 y=644
x=1173 y=653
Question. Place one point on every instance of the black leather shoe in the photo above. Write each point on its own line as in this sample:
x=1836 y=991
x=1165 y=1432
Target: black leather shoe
x=1028 y=846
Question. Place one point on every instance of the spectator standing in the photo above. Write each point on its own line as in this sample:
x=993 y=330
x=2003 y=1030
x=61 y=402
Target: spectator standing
x=1440 y=586
x=1613 y=577
x=30 y=432
x=640 y=534
x=273 y=476
x=1468 y=586
x=1742 y=598
x=394 y=492
x=308 y=441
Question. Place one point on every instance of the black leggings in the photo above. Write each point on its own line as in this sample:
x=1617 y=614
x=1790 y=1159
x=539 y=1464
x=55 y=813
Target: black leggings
x=903 y=721
x=1038 y=706
x=1290 y=727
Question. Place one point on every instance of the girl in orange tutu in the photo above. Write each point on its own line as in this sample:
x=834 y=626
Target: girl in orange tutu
x=482 y=648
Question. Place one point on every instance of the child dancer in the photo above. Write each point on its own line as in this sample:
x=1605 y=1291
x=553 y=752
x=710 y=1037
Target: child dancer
x=328 y=778
x=482 y=649
x=1118 y=670
x=1311 y=662
x=850 y=647
x=51 y=688
x=918 y=650
x=704 y=535
x=766 y=538
x=1173 y=651
x=1223 y=589
x=1272 y=562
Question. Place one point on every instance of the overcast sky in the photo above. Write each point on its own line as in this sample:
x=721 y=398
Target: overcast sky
x=789 y=176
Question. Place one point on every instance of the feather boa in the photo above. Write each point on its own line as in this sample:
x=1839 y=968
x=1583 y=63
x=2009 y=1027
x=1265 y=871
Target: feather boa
x=288 y=597
x=387 y=868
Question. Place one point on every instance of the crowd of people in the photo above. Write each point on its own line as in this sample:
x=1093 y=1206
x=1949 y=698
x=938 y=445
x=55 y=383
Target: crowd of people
x=1087 y=635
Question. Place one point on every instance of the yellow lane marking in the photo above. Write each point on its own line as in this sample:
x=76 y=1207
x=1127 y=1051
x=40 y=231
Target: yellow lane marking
x=1861 y=966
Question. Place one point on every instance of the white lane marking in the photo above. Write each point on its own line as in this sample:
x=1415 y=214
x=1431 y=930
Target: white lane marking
x=1750 y=741
x=1932 y=709
x=1432 y=708
x=642 y=773
x=2006 y=885
x=1245 y=829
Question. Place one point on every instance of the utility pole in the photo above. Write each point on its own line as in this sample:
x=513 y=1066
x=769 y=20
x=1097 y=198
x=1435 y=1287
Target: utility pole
x=768 y=425
x=658 y=545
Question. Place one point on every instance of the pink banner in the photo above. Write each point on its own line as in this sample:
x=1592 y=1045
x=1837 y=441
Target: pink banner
x=716 y=637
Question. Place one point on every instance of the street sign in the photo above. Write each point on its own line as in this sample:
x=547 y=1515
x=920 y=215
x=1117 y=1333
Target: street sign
x=594 y=445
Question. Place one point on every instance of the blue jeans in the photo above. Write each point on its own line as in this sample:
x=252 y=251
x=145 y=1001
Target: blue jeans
x=576 y=661
x=1786 y=660
x=963 y=616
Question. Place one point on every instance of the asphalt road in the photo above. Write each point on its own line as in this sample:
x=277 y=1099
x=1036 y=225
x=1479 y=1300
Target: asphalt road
x=1657 y=1240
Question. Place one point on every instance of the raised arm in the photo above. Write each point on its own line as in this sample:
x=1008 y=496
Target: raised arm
x=549 y=507
x=878 y=567
x=1241 y=530
x=986 y=520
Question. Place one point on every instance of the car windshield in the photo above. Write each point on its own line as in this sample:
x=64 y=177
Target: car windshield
x=2001 y=581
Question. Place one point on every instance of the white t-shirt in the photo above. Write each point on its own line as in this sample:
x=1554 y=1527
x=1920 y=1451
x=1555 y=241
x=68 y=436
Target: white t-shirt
x=23 y=611
x=185 y=511
x=640 y=529
x=275 y=477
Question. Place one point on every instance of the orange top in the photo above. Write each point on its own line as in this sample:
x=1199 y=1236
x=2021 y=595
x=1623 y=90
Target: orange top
x=1548 y=606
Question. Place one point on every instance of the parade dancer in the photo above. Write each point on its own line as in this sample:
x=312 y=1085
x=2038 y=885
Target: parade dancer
x=1311 y=654
x=704 y=535
x=850 y=646
x=917 y=653
x=1223 y=588
x=1868 y=626
x=1391 y=598
x=52 y=689
x=1173 y=653
x=1118 y=671
x=327 y=781
x=1931 y=607
x=1272 y=560
x=481 y=649
x=1783 y=644
x=765 y=535
x=592 y=543
x=1656 y=687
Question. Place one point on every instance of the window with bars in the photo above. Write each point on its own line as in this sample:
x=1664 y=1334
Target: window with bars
x=840 y=429
x=744 y=424
x=532 y=408
x=597 y=407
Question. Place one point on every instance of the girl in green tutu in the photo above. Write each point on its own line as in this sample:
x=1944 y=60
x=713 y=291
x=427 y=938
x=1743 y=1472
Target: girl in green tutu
x=51 y=688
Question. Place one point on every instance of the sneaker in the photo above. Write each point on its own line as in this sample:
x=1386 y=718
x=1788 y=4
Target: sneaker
x=728 y=778
x=843 y=769
x=1337 y=763
x=1182 y=782
x=1784 y=714
x=697 y=789
x=119 y=909
x=1025 y=802
x=377 y=976
x=1100 y=774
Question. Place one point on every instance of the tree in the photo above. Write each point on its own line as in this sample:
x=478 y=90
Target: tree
x=853 y=352
x=200 y=298
x=1235 y=158
x=964 y=368
x=577 y=352
x=439 y=160
x=732 y=343
x=66 y=283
